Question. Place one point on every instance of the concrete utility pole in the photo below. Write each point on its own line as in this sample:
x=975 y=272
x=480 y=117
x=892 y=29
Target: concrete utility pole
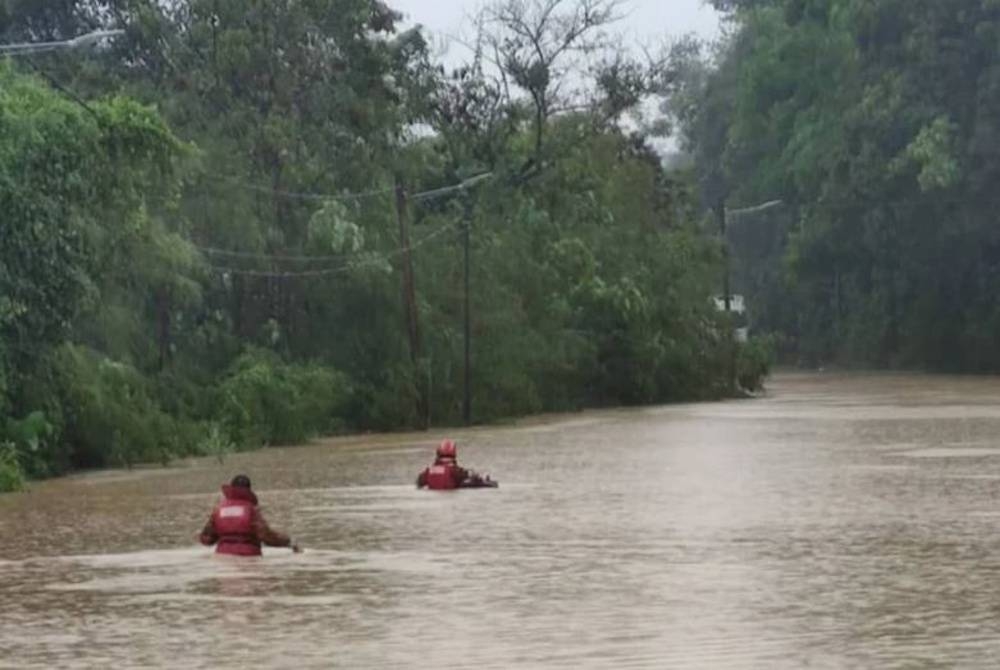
x=465 y=186
x=724 y=216
x=467 y=393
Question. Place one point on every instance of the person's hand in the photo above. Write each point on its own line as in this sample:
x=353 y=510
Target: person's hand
x=296 y=549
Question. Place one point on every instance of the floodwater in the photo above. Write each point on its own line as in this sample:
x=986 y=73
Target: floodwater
x=839 y=522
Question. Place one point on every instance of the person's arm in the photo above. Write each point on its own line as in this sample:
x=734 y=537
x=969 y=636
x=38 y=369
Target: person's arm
x=422 y=479
x=208 y=536
x=459 y=475
x=269 y=536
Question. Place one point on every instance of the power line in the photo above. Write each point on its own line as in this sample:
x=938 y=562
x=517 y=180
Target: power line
x=300 y=195
x=423 y=196
x=291 y=195
x=65 y=90
x=213 y=251
x=382 y=258
x=306 y=195
x=344 y=197
x=240 y=183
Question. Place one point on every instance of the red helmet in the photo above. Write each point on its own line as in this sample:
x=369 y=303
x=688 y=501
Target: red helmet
x=447 y=449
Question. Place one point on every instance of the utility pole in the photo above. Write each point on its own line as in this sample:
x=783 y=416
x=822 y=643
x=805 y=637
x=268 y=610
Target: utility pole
x=409 y=289
x=406 y=271
x=467 y=394
x=722 y=216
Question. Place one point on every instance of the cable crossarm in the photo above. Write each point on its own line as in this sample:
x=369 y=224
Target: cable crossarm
x=455 y=188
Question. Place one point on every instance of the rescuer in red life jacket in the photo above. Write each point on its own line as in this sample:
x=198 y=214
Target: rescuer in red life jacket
x=237 y=526
x=445 y=473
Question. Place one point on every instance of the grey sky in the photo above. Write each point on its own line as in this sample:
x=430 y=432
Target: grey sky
x=648 y=21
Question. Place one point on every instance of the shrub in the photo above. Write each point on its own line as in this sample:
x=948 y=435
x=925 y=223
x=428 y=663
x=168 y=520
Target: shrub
x=215 y=442
x=753 y=363
x=265 y=401
x=388 y=403
x=34 y=440
x=111 y=414
x=11 y=474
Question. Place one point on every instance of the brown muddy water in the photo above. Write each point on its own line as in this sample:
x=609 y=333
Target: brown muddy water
x=840 y=522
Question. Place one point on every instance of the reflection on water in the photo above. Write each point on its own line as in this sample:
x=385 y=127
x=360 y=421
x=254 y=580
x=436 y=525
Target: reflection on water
x=841 y=522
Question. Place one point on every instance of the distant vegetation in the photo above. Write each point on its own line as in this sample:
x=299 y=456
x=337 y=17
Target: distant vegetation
x=876 y=122
x=233 y=227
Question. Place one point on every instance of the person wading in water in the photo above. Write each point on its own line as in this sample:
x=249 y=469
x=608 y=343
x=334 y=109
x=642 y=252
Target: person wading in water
x=237 y=527
x=445 y=473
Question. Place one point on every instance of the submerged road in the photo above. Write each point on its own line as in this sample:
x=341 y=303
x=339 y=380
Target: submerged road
x=840 y=522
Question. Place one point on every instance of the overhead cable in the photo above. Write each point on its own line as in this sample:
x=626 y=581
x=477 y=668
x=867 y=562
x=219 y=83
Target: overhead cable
x=297 y=195
x=345 y=197
x=423 y=196
x=348 y=267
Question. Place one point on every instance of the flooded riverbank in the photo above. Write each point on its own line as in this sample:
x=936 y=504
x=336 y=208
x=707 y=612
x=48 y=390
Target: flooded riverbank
x=841 y=521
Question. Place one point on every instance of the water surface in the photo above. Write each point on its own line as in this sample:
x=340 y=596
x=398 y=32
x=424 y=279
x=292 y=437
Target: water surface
x=840 y=522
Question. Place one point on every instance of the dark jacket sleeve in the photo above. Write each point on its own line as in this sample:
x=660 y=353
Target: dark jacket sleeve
x=208 y=536
x=266 y=534
x=422 y=479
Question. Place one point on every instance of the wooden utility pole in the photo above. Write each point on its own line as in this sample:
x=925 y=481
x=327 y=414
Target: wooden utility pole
x=406 y=272
x=409 y=289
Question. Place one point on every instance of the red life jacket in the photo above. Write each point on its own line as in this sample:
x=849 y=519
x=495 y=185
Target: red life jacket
x=233 y=521
x=442 y=476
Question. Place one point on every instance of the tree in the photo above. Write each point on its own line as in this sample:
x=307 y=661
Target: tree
x=869 y=117
x=540 y=45
x=239 y=286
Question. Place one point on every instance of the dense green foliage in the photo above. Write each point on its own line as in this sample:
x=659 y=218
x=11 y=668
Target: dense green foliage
x=874 y=121
x=201 y=247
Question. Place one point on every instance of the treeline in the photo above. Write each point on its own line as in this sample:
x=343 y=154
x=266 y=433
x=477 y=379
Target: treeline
x=239 y=225
x=876 y=123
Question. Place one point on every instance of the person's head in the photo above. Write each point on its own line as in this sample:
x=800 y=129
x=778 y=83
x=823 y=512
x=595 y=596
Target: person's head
x=240 y=482
x=447 y=449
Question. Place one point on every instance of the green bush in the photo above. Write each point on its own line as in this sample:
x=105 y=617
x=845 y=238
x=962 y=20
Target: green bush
x=34 y=441
x=753 y=363
x=11 y=474
x=389 y=403
x=215 y=442
x=112 y=416
x=265 y=401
